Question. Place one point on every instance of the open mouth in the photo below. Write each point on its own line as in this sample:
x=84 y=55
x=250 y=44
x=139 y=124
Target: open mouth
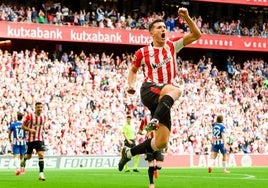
x=163 y=35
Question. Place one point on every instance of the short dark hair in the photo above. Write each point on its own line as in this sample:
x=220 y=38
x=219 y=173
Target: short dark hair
x=128 y=117
x=151 y=25
x=38 y=103
x=219 y=119
x=19 y=116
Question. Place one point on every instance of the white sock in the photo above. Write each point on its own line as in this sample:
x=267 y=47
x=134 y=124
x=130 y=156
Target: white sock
x=129 y=155
x=17 y=163
x=211 y=162
x=224 y=165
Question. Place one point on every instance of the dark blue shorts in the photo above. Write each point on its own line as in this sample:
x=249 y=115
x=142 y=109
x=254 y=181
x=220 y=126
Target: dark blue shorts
x=19 y=149
x=218 y=147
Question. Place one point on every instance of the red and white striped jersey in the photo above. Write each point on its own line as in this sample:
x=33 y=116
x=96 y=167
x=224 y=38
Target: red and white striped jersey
x=160 y=62
x=33 y=121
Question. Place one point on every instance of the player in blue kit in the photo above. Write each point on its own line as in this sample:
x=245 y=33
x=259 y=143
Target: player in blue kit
x=219 y=143
x=17 y=138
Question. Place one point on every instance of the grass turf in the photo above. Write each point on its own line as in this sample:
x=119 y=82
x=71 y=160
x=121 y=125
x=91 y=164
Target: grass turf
x=111 y=178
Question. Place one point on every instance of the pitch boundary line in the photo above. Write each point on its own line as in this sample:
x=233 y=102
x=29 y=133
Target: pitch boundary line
x=209 y=176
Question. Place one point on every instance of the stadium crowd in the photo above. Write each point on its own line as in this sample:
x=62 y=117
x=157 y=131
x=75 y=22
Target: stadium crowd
x=86 y=101
x=107 y=16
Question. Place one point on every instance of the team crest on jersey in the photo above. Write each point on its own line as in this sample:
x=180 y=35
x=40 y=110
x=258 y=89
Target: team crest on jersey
x=155 y=66
x=36 y=125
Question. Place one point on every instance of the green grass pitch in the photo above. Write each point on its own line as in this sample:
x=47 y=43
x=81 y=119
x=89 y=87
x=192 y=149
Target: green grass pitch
x=111 y=178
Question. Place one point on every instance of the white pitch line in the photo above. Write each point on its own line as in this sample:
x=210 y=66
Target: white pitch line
x=248 y=176
x=209 y=176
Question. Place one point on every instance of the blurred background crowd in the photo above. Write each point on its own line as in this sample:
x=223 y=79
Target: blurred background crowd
x=86 y=101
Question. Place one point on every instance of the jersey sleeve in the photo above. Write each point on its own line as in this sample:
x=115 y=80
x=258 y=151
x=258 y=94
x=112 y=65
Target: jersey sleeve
x=178 y=44
x=27 y=120
x=11 y=127
x=223 y=129
x=137 y=58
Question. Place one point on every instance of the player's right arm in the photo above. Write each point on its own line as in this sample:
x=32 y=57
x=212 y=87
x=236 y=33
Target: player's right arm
x=224 y=138
x=132 y=79
x=26 y=123
x=10 y=135
x=132 y=74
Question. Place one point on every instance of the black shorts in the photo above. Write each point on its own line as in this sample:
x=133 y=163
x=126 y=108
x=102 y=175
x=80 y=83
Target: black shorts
x=37 y=145
x=150 y=93
x=157 y=155
x=129 y=145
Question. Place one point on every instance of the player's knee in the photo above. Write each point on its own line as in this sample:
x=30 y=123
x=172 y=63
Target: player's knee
x=175 y=93
x=162 y=145
x=41 y=155
x=28 y=156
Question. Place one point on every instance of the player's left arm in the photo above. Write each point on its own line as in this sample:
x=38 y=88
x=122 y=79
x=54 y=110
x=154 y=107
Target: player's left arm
x=10 y=135
x=46 y=127
x=194 y=33
x=224 y=139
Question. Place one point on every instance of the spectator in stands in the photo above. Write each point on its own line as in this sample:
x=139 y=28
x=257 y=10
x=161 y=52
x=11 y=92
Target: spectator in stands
x=264 y=32
x=28 y=15
x=82 y=17
x=76 y=20
x=58 y=17
x=65 y=14
x=50 y=18
x=34 y=15
x=41 y=17
x=99 y=14
x=170 y=22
